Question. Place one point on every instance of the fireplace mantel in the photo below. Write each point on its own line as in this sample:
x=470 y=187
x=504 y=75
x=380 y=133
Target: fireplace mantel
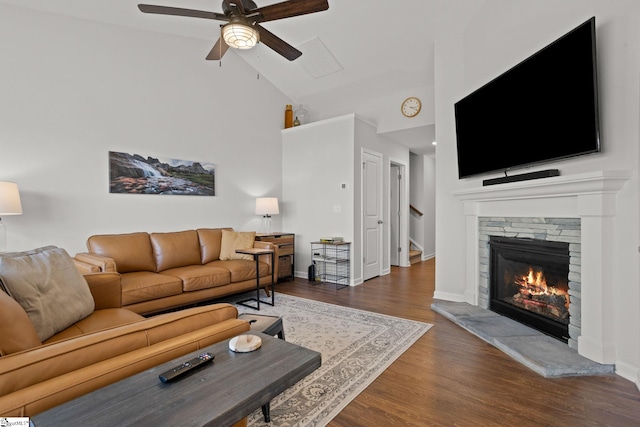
x=599 y=182
x=590 y=197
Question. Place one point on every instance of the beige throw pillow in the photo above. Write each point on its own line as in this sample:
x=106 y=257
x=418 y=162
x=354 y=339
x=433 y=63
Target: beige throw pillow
x=232 y=240
x=47 y=285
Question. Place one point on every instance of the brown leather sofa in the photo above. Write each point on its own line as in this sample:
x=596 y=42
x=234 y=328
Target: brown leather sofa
x=109 y=344
x=161 y=271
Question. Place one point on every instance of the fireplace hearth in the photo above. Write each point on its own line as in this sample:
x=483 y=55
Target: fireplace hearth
x=529 y=282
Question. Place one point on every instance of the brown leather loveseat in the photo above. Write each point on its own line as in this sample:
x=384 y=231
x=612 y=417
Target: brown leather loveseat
x=162 y=271
x=63 y=335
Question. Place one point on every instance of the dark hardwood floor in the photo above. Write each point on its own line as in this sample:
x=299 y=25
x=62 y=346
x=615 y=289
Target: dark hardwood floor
x=449 y=377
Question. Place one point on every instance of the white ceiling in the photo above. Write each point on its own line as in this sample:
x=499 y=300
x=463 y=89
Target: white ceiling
x=385 y=50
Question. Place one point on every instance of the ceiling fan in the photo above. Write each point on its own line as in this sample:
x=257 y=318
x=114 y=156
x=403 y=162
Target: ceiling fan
x=243 y=17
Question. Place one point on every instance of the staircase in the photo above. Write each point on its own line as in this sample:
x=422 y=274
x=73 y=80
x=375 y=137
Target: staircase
x=415 y=255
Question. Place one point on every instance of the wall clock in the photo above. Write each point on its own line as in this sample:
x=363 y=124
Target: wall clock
x=411 y=106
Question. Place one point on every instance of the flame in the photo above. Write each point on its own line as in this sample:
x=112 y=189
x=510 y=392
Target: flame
x=534 y=283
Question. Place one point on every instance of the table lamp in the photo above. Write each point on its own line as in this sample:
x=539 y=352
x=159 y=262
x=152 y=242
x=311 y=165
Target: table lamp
x=9 y=205
x=266 y=206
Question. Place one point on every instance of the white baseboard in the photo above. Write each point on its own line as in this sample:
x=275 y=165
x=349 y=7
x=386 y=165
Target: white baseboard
x=628 y=372
x=448 y=296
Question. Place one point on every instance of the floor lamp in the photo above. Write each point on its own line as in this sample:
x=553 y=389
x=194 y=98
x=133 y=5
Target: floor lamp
x=9 y=205
x=266 y=206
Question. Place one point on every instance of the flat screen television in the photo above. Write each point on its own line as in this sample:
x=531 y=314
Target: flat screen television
x=541 y=110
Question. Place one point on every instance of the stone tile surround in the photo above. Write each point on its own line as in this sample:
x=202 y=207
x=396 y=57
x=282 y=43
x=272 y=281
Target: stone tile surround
x=566 y=230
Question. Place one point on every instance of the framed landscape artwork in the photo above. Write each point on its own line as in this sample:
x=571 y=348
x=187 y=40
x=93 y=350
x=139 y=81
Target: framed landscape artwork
x=137 y=174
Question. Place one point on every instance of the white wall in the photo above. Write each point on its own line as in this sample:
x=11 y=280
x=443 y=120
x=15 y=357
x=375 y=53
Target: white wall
x=368 y=139
x=72 y=90
x=429 y=167
x=317 y=158
x=501 y=35
x=430 y=208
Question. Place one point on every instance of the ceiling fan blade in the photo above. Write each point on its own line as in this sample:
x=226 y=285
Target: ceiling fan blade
x=218 y=50
x=177 y=11
x=290 y=8
x=277 y=44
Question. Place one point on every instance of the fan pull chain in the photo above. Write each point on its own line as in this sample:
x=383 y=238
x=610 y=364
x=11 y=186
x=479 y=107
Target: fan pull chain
x=220 y=47
x=258 y=60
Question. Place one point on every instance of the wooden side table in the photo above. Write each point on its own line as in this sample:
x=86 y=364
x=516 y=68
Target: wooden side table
x=286 y=251
x=270 y=325
x=256 y=252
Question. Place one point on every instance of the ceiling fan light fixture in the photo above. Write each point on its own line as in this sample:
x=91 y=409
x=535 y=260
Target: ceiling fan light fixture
x=240 y=35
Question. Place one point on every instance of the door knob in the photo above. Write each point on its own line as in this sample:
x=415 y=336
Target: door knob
x=379 y=221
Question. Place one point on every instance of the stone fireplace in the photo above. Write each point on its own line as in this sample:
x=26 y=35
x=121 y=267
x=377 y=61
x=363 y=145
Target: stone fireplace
x=530 y=271
x=577 y=210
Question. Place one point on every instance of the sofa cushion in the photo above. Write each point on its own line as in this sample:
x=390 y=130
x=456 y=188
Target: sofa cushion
x=175 y=249
x=242 y=269
x=16 y=329
x=141 y=286
x=232 y=240
x=131 y=252
x=47 y=285
x=195 y=277
x=210 y=243
x=97 y=321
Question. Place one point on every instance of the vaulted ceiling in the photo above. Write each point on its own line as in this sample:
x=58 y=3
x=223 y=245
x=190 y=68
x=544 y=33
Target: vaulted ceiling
x=359 y=56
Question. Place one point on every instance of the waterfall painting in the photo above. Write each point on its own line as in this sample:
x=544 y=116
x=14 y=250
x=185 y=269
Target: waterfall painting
x=136 y=174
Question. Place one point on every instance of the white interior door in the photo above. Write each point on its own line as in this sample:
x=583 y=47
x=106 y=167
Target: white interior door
x=395 y=178
x=372 y=212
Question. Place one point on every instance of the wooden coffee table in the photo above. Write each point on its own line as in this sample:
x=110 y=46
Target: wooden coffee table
x=219 y=394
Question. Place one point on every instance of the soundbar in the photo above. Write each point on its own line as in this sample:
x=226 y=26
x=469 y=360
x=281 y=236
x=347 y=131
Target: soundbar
x=522 y=177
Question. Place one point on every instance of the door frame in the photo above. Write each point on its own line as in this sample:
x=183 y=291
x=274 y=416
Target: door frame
x=395 y=211
x=403 y=238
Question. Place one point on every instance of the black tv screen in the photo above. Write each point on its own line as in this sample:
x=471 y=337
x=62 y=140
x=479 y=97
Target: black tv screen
x=543 y=109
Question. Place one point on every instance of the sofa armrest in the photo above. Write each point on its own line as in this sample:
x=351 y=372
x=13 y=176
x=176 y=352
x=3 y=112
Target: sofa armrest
x=106 y=289
x=91 y=261
x=85 y=267
x=267 y=258
x=35 y=380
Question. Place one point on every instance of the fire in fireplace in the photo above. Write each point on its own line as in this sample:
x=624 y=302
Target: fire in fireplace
x=529 y=282
x=535 y=295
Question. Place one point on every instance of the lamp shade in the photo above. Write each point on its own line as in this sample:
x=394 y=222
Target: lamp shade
x=267 y=206
x=9 y=199
x=240 y=35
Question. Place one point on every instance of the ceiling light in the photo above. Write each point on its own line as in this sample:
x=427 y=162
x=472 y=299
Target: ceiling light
x=239 y=34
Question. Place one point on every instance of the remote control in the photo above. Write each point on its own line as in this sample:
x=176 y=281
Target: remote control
x=189 y=366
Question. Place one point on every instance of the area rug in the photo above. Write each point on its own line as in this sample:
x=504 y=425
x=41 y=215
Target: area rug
x=356 y=347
